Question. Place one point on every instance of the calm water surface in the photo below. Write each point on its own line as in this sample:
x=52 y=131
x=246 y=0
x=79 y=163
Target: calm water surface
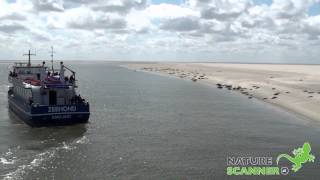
x=145 y=126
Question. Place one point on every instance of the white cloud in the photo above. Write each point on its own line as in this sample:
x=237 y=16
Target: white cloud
x=48 y=5
x=84 y=18
x=311 y=27
x=11 y=28
x=206 y=29
x=139 y=22
x=181 y=24
x=169 y=11
x=120 y=6
x=223 y=10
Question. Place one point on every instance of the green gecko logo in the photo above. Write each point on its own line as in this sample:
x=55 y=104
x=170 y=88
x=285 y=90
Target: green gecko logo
x=301 y=156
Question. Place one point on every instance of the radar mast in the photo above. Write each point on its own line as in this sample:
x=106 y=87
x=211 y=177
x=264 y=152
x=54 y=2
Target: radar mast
x=52 y=52
x=29 y=55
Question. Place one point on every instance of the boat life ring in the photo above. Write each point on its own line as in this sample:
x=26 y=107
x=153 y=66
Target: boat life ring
x=32 y=81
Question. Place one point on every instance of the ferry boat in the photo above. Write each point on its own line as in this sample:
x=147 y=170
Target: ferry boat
x=43 y=96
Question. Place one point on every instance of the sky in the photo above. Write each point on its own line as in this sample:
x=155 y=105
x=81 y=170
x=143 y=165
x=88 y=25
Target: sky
x=253 y=31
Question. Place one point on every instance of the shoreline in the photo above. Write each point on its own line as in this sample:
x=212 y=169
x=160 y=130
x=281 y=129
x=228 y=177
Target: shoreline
x=295 y=88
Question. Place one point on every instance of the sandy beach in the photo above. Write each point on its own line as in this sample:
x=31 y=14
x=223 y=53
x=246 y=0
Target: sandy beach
x=292 y=87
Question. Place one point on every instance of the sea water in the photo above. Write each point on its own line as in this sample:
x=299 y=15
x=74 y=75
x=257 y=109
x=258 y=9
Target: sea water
x=146 y=126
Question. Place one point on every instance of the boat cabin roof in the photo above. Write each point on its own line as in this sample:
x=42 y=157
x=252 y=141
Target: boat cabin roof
x=26 y=65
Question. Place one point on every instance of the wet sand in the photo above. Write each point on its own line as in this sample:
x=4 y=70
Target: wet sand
x=292 y=87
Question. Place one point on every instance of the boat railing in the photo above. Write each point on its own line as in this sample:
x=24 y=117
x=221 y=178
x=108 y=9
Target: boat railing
x=21 y=64
x=16 y=79
x=72 y=71
x=70 y=104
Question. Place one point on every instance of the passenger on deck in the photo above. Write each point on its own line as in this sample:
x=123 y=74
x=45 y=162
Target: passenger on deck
x=71 y=79
x=66 y=79
x=13 y=74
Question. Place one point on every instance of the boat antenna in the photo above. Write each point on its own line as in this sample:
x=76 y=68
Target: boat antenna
x=29 y=54
x=52 y=52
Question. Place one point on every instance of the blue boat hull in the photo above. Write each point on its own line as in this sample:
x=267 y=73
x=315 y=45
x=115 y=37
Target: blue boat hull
x=50 y=115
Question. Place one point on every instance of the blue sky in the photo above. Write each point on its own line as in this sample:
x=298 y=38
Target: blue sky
x=268 y=2
x=315 y=9
x=11 y=1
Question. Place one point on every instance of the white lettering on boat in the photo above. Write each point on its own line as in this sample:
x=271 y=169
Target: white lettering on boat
x=56 y=109
x=61 y=117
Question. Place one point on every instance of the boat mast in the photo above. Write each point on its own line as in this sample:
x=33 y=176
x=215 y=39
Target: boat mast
x=52 y=52
x=29 y=55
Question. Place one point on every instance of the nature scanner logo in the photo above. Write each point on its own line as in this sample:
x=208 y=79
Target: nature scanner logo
x=264 y=165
